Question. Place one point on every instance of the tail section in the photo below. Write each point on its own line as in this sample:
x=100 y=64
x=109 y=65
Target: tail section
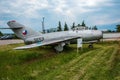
x=22 y=31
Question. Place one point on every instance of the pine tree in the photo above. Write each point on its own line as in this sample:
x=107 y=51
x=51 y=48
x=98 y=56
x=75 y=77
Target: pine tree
x=118 y=28
x=83 y=24
x=78 y=25
x=66 y=27
x=90 y=28
x=59 y=27
x=73 y=26
x=95 y=28
x=1 y=33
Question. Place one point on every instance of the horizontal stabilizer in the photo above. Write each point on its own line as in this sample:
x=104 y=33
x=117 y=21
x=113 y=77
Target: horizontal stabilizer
x=28 y=46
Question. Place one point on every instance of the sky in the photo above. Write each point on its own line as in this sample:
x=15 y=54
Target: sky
x=105 y=14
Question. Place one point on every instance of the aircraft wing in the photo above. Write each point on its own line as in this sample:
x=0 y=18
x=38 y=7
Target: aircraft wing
x=47 y=42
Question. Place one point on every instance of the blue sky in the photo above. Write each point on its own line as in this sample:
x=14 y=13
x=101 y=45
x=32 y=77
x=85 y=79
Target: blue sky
x=103 y=13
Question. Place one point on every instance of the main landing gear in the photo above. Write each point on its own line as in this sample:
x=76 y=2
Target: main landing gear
x=59 y=47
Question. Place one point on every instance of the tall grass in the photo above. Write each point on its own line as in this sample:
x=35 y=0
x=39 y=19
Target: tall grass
x=42 y=63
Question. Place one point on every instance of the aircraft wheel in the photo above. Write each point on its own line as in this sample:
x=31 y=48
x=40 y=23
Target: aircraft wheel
x=58 y=48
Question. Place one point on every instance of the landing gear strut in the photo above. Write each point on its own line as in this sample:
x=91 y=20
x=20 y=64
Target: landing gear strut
x=59 y=47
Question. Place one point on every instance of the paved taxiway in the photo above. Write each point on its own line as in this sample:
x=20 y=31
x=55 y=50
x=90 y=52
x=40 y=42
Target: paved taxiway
x=12 y=41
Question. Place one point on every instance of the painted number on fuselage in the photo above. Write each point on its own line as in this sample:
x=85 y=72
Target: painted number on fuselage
x=40 y=39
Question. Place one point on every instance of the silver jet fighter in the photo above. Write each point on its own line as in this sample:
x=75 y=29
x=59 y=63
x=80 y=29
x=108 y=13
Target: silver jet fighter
x=57 y=39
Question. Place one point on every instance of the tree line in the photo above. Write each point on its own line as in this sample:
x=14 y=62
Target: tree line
x=66 y=28
x=59 y=28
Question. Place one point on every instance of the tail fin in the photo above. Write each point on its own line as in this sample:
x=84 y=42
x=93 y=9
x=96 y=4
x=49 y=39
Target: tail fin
x=22 y=31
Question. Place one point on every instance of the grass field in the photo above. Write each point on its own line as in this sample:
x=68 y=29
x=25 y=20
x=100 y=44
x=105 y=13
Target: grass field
x=42 y=63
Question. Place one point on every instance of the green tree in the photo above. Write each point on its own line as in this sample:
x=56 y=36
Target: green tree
x=95 y=27
x=66 y=27
x=83 y=23
x=1 y=33
x=118 y=28
x=109 y=30
x=59 y=27
x=90 y=28
x=73 y=26
x=78 y=25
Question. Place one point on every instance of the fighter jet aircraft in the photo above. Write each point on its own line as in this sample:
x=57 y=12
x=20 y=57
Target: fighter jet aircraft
x=57 y=39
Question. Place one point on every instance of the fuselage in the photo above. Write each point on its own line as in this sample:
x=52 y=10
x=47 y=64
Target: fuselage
x=86 y=35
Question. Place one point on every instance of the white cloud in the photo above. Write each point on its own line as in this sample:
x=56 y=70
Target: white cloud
x=68 y=10
x=103 y=19
x=106 y=21
x=25 y=8
x=32 y=8
x=74 y=8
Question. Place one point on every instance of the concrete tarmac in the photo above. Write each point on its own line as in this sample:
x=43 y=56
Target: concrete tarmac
x=12 y=41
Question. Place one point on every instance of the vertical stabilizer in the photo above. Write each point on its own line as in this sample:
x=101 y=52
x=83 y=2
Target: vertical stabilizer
x=22 y=31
